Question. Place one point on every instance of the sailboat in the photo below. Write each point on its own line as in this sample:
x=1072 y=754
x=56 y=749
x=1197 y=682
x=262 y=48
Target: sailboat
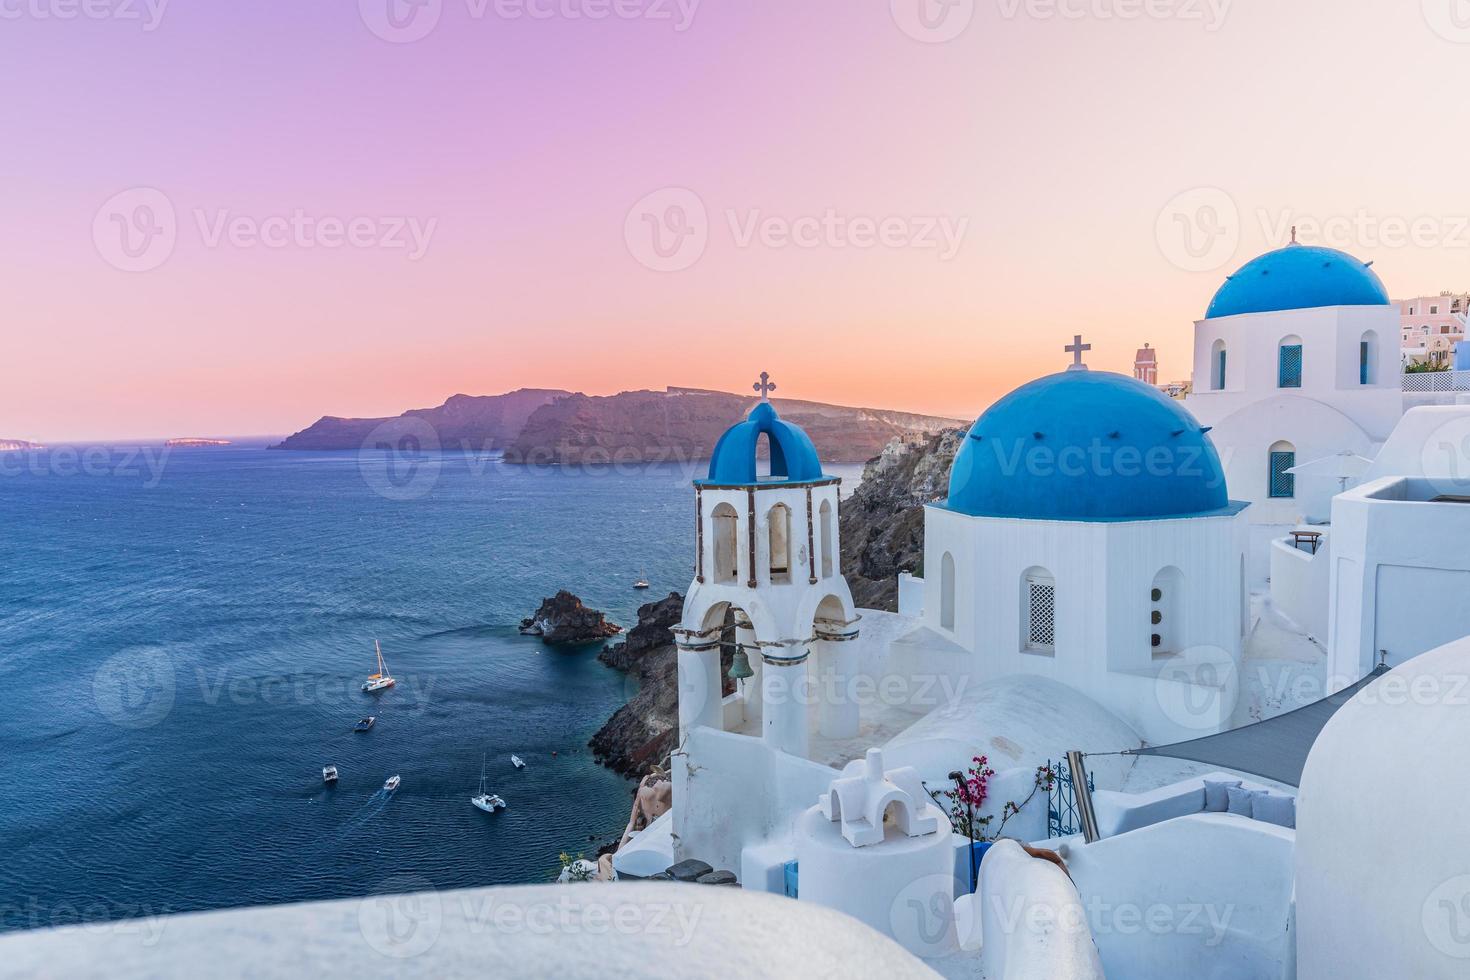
x=380 y=680
x=488 y=802
x=642 y=582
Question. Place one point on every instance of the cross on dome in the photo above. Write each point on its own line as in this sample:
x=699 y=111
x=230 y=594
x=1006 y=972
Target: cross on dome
x=1076 y=349
x=765 y=386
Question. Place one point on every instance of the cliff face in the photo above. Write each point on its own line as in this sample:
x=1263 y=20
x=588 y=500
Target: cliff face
x=643 y=732
x=683 y=424
x=471 y=422
x=563 y=621
x=882 y=523
x=15 y=445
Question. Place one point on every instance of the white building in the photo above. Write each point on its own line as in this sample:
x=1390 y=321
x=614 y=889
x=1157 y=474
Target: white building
x=1088 y=537
x=1294 y=361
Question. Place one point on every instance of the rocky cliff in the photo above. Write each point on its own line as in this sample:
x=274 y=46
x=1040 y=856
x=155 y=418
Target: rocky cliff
x=683 y=424
x=16 y=445
x=474 y=423
x=882 y=523
x=642 y=733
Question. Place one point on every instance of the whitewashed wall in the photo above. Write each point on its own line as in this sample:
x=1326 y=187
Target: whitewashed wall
x=1400 y=575
x=1104 y=573
x=1300 y=583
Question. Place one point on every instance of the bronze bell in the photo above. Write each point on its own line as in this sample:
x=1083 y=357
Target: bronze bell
x=740 y=665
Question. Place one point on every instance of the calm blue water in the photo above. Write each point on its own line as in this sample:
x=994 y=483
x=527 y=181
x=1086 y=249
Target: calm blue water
x=181 y=652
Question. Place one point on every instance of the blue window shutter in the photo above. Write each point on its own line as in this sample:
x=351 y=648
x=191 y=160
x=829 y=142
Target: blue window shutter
x=1363 y=362
x=1222 y=370
x=1282 y=483
x=1290 y=370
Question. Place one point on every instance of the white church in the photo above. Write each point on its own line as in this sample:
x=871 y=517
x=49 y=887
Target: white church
x=1150 y=585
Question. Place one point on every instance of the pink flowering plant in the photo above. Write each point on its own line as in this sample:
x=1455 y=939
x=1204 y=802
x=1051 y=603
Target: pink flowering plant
x=970 y=795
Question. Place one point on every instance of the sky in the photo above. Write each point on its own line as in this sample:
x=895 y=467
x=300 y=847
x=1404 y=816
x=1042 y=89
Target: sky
x=229 y=219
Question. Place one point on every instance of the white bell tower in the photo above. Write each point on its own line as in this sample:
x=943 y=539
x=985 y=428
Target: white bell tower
x=767 y=554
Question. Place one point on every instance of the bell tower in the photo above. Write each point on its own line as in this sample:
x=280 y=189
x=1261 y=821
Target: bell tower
x=767 y=585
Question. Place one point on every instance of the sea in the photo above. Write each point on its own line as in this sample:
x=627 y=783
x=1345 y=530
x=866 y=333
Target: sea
x=183 y=635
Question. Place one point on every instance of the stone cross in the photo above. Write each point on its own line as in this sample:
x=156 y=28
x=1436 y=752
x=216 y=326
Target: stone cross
x=765 y=386
x=1076 y=349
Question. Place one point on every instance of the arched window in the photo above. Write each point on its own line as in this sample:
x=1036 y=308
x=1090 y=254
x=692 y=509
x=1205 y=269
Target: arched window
x=1367 y=354
x=778 y=524
x=1217 y=366
x=1166 y=610
x=1289 y=363
x=1038 y=612
x=727 y=552
x=828 y=559
x=1281 y=484
x=946 y=592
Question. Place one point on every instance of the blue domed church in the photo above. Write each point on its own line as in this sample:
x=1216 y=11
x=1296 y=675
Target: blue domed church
x=1089 y=537
x=1296 y=360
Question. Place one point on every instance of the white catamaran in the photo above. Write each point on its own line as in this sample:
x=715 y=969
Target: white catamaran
x=488 y=802
x=382 y=679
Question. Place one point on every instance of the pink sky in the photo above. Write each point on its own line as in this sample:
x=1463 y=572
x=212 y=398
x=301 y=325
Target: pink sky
x=1055 y=142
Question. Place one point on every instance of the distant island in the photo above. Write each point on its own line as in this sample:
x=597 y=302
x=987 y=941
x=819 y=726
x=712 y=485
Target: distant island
x=551 y=426
x=194 y=443
x=16 y=445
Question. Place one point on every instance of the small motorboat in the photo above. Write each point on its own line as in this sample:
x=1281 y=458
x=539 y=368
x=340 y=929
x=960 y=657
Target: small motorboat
x=392 y=783
x=518 y=762
x=329 y=774
x=488 y=802
x=363 y=724
x=382 y=680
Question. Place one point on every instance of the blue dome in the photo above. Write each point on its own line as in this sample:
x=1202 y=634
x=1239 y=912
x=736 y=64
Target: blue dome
x=793 y=457
x=1087 y=446
x=1298 y=277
